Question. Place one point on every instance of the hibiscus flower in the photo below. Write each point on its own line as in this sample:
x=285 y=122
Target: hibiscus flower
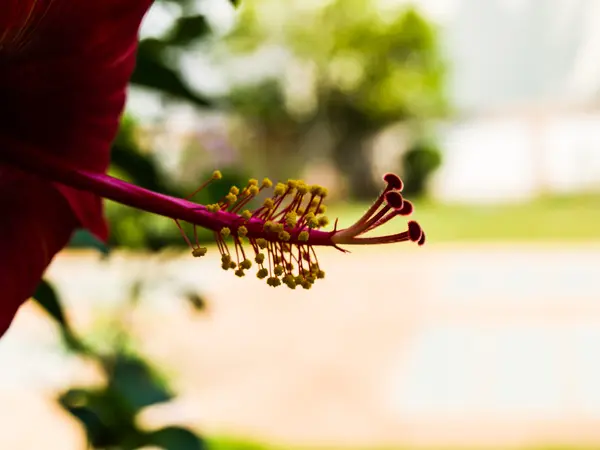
x=64 y=70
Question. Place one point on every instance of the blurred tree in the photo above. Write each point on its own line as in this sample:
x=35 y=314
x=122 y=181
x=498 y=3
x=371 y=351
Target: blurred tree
x=366 y=70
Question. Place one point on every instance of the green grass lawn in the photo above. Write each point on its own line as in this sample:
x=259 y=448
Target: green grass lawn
x=548 y=219
x=231 y=444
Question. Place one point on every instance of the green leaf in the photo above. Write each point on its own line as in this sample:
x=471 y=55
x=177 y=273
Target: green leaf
x=85 y=239
x=135 y=382
x=153 y=72
x=47 y=298
x=176 y=438
x=188 y=29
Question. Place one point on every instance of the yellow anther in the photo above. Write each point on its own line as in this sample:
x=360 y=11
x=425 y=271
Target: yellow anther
x=273 y=281
x=225 y=232
x=290 y=218
x=240 y=273
x=225 y=266
x=313 y=223
x=303 y=236
x=232 y=265
x=246 y=214
x=234 y=190
x=246 y=264
x=320 y=274
x=199 y=251
x=262 y=273
x=288 y=279
x=216 y=175
x=278 y=270
x=306 y=285
x=315 y=190
x=260 y=258
x=231 y=198
x=266 y=183
x=323 y=221
x=324 y=192
x=276 y=259
x=268 y=203
x=213 y=207
x=226 y=259
x=292 y=184
x=322 y=209
x=302 y=188
x=268 y=226
x=242 y=231
x=284 y=236
x=253 y=190
x=309 y=216
x=280 y=189
x=262 y=243
x=252 y=182
x=277 y=227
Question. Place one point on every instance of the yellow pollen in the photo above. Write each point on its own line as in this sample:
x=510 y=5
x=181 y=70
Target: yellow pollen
x=225 y=232
x=323 y=221
x=217 y=175
x=303 y=236
x=262 y=243
x=199 y=251
x=284 y=236
x=279 y=189
x=246 y=214
x=242 y=231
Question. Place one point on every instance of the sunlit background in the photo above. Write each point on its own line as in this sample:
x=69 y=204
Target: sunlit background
x=487 y=337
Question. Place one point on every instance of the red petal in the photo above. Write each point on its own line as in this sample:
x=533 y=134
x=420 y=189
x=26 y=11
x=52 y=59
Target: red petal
x=65 y=69
x=37 y=223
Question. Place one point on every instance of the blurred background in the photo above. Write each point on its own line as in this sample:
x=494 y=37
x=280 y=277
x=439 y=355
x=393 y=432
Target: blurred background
x=487 y=337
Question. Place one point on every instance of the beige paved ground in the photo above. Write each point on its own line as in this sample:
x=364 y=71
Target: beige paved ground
x=474 y=345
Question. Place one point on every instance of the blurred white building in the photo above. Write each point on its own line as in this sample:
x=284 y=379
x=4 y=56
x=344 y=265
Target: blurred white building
x=525 y=79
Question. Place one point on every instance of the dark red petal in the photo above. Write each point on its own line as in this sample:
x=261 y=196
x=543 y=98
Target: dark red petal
x=37 y=223
x=63 y=81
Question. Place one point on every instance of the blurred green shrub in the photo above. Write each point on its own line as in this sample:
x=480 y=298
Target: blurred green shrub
x=418 y=164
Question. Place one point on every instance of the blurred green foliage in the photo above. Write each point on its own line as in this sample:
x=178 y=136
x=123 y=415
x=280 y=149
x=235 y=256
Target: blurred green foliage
x=350 y=69
x=109 y=412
